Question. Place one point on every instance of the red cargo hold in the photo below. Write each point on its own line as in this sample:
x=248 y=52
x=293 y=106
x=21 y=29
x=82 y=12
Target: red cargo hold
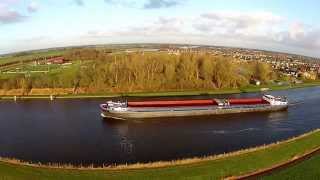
x=208 y=102
x=247 y=101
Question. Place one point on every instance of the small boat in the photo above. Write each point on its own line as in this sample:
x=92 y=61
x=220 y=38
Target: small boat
x=190 y=107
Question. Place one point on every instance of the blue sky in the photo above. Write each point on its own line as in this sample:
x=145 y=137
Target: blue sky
x=281 y=25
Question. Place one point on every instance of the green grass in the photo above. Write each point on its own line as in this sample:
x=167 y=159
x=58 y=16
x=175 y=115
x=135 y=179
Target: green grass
x=274 y=87
x=212 y=169
x=8 y=76
x=30 y=67
x=308 y=169
x=54 y=70
x=30 y=56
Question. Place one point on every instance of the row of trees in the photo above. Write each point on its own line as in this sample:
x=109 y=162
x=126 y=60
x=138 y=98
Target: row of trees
x=146 y=72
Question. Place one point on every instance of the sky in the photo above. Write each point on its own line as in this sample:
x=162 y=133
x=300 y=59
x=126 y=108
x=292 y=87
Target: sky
x=291 y=26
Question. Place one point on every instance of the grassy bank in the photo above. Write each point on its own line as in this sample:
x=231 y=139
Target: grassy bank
x=281 y=87
x=169 y=93
x=207 y=168
x=308 y=169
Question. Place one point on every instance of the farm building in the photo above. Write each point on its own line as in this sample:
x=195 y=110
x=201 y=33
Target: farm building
x=56 y=60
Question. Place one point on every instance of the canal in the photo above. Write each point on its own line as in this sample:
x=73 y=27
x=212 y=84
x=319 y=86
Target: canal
x=71 y=131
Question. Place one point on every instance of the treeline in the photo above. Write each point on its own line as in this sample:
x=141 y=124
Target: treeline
x=84 y=54
x=104 y=72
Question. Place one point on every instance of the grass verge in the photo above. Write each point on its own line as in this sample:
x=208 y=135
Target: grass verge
x=215 y=167
x=308 y=169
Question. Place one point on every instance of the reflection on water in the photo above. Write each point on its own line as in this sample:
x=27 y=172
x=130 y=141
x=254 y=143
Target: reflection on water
x=126 y=146
x=122 y=128
x=71 y=131
x=278 y=116
x=235 y=132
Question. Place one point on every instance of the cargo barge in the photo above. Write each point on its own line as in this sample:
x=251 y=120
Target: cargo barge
x=180 y=108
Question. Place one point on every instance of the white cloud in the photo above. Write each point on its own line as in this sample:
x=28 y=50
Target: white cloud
x=237 y=23
x=156 y=4
x=258 y=30
x=8 y=15
x=297 y=30
x=124 y=3
x=301 y=35
x=145 y=4
x=263 y=30
x=33 y=7
x=8 y=2
x=161 y=27
x=79 y=2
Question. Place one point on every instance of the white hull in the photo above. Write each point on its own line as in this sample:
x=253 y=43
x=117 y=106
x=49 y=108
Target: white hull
x=143 y=113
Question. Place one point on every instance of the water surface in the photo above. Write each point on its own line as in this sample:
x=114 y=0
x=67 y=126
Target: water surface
x=71 y=131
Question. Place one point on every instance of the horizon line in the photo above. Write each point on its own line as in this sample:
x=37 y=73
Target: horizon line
x=152 y=43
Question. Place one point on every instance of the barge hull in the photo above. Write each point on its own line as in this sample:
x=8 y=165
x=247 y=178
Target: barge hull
x=135 y=114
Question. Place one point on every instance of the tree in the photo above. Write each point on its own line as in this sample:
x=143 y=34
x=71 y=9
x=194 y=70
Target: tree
x=149 y=72
x=263 y=72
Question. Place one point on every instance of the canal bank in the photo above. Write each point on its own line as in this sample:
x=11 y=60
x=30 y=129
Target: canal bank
x=249 y=89
x=213 y=167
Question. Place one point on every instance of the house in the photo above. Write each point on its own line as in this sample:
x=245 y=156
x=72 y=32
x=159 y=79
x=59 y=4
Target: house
x=56 y=60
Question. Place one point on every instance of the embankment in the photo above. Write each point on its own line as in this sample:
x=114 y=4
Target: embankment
x=70 y=93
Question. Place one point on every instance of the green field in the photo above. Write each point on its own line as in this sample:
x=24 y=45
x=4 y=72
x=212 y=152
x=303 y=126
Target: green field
x=32 y=70
x=232 y=165
x=308 y=169
x=28 y=56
